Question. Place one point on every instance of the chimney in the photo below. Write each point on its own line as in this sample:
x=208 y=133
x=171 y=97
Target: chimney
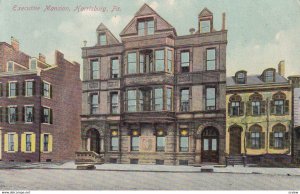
x=14 y=43
x=84 y=43
x=42 y=57
x=281 y=68
x=192 y=30
x=223 y=21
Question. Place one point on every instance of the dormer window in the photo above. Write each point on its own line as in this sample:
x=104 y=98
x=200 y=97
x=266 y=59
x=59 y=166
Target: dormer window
x=205 y=26
x=240 y=78
x=10 y=66
x=102 y=39
x=269 y=76
x=33 y=64
x=146 y=27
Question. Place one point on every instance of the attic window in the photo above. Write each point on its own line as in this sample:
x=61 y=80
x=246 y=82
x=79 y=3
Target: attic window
x=10 y=66
x=240 y=78
x=102 y=39
x=269 y=76
x=205 y=26
x=33 y=64
x=145 y=27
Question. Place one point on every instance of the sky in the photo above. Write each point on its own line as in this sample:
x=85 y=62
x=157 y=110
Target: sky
x=260 y=32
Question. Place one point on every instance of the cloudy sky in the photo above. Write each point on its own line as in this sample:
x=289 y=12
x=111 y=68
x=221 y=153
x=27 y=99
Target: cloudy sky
x=260 y=32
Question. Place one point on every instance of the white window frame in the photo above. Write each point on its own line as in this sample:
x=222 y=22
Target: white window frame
x=30 y=64
x=13 y=66
x=25 y=106
x=11 y=106
x=49 y=119
x=11 y=133
x=9 y=95
x=49 y=96
x=26 y=81
x=28 y=133
x=44 y=144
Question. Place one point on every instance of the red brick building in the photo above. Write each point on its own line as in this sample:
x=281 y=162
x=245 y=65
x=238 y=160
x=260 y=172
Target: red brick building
x=36 y=100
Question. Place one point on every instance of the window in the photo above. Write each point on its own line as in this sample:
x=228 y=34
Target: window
x=235 y=106
x=146 y=27
x=131 y=63
x=240 y=78
x=256 y=108
x=183 y=140
x=160 y=140
x=11 y=143
x=10 y=66
x=204 y=26
x=146 y=61
x=102 y=39
x=33 y=64
x=95 y=69
x=255 y=140
x=114 y=103
x=46 y=115
x=170 y=61
x=159 y=60
x=211 y=59
x=114 y=141
x=185 y=61
x=210 y=98
x=169 y=99
x=29 y=88
x=131 y=96
x=1 y=114
x=145 y=99
x=13 y=89
x=1 y=90
x=269 y=76
x=135 y=140
x=46 y=90
x=115 y=68
x=12 y=114
x=28 y=114
x=158 y=92
x=46 y=142
x=94 y=103
x=28 y=142
x=279 y=107
x=184 y=100
x=278 y=140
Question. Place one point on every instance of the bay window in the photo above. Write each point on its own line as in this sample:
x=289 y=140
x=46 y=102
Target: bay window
x=131 y=63
x=159 y=60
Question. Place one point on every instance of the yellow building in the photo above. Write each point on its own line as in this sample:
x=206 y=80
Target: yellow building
x=259 y=109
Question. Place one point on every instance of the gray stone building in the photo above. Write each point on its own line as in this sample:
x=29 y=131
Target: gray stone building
x=155 y=97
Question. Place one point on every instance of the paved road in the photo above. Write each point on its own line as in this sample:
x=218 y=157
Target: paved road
x=59 y=179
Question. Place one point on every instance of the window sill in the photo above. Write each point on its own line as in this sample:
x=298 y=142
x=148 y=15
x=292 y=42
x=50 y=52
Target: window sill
x=12 y=97
x=46 y=97
x=44 y=152
x=28 y=123
x=28 y=152
x=11 y=152
x=47 y=123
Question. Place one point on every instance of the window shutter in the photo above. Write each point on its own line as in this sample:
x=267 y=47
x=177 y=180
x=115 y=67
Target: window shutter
x=271 y=140
x=6 y=142
x=50 y=143
x=286 y=107
x=6 y=114
x=242 y=107
x=24 y=88
x=17 y=89
x=263 y=107
x=23 y=142
x=109 y=103
x=33 y=114
x=17 y=114
x=16 y=146
x=204 y=60
x=23 y=119
x=42 y=115
x=1 y=90
x=249 y=108
x=33 y=88
x=272 y=110
x=42 y=89
x=33 y=142
x=7 y=89
x=248 y=138
x=229 y=109
x=51 y=116
x=42 y=143
x=262 y=140
x=287 y=140
x=1 y=114
x=51 y=91
x=216 y=59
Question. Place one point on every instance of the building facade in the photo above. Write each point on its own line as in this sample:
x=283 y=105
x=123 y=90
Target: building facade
x=259 y=116
x=155 y=97
x=36 y=100
x=295 y=81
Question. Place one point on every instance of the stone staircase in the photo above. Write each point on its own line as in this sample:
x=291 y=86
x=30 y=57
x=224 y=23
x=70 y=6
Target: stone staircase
x=88 y=157
x=236 y=160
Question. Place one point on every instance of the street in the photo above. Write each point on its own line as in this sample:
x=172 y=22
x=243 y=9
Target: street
x=71 y=179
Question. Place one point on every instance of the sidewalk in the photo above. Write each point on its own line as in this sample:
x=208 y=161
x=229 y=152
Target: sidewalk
x=157 y=168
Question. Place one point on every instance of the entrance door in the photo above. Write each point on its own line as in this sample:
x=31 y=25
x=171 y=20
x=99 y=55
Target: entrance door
x=210 y=145
x=94 y=136
x=235 y=141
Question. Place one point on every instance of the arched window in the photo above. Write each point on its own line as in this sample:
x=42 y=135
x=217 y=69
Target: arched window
x=279 y=104
x=279 y=137
x=255 y=137
x=235 y=106
x=269 y=75
x=256 y=105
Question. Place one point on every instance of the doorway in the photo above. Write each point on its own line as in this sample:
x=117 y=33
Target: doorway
x=210 y=145
x=235 y=140
x=94 y=141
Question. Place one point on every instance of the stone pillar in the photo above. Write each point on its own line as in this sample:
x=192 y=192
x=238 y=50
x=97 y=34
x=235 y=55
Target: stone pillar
x=198 y=151
x=84 y=143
